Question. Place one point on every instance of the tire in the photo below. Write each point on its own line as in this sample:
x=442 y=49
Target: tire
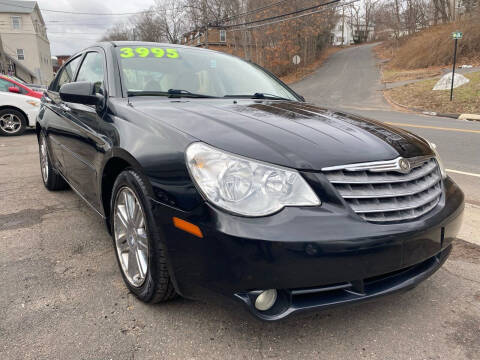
x=52 y=180
x=139 y=242
x=12 y=122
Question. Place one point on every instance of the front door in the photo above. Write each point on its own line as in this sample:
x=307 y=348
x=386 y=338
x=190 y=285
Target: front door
x=83 y=145
x=54 y=111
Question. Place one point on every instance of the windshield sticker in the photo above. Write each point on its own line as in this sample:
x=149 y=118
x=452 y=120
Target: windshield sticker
x=143 y=52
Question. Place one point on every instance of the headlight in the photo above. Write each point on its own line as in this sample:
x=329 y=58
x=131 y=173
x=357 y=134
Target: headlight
x=243 y=186
x=439 y=159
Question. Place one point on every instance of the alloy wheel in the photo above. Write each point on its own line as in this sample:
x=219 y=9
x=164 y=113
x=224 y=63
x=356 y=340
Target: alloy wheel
x=10 y=123
x=131 y=239
x=44 y=158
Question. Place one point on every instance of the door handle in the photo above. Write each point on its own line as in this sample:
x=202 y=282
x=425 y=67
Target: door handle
x=47 y=99
x=64 y=107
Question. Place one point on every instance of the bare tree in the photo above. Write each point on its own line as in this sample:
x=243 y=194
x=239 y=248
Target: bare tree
x=171 y=19
x=146 y=27
x=369 y=7
x=119 y=32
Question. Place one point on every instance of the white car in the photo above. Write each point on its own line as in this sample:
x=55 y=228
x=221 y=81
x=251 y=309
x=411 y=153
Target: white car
x=17 y=113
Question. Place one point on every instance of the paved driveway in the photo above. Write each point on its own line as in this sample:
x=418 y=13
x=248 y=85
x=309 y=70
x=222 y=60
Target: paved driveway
x=62 y=297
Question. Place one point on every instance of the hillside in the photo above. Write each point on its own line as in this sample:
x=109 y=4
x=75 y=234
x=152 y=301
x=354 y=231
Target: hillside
x=433 y=47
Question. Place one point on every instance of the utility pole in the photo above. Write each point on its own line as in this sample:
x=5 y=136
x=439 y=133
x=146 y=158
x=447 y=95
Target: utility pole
x=205 y=21
x=343 y=25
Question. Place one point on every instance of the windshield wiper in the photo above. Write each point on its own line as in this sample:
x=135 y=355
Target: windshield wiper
x=259 y=96
x=148 y=93
x=172 y=93
x=186 y=93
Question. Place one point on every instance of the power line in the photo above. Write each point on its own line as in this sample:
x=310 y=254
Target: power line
x=72 y=33
x=73 y=23
x=291 y=18
x=79 y=13
x=254 y=10
x=86 y=37
x=286 y=14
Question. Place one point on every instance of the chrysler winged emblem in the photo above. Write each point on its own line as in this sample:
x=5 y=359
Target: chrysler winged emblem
x=404 y=165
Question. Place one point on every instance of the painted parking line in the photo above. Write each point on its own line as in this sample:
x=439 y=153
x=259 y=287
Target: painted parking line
x=463 y=173
x=434 y=127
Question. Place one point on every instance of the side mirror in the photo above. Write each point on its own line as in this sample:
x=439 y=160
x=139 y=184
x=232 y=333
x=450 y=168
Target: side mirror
x=82 y=92
x=14 y=89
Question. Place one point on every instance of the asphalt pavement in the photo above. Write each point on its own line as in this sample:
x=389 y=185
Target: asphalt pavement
x=63 y=297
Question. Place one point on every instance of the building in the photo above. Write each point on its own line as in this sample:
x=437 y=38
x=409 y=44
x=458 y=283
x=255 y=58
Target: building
x=58 y=61
x=219 y=39
x=214 y=37
x=12 y=67
x=342 y=34
x=24 y=37
x=348 y=33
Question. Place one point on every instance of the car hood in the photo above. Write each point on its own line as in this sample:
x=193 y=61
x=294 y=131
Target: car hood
x=293 y=134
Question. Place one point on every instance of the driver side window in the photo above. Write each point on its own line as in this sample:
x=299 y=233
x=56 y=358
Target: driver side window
x=67 y=73
x=91 y=70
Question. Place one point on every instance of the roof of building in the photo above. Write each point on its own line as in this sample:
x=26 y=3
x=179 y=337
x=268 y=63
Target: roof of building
x=23 y=7
x=20 y=65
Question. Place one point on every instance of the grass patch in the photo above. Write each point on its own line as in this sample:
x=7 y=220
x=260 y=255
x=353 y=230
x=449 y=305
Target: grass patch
x=434 y=46
x=393 y=75
x=466 y=99
x=425 y=53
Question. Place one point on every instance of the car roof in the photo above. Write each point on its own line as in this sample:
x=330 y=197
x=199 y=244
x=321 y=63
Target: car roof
x=109 y=44
x=9 y=78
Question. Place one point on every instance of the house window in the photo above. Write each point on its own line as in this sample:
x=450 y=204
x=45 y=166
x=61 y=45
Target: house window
x=20 y=54
x=16 y=22
x=223 y=35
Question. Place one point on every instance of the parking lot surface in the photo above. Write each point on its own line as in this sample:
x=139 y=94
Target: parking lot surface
x=62 y=297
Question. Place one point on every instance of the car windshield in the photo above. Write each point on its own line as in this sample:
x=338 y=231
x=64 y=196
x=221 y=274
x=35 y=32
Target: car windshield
x=18 y=80
x=159 y=70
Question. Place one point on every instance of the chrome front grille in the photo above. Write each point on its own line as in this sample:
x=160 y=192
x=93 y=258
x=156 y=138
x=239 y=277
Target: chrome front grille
x=382 y=192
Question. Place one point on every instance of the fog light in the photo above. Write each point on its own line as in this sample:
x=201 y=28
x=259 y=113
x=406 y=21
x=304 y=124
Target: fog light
x=266 y=300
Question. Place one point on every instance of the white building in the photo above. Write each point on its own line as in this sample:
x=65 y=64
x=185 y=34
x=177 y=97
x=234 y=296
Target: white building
x=342 y=33
x=347 y=33
x=24 y=37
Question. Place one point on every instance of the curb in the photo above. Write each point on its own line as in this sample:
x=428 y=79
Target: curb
x=469 y=117
x=433 y=113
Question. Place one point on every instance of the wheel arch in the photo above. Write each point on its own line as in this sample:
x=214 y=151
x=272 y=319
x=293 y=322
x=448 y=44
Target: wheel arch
x=6 y=107
x=118 y=161
x=38 y=129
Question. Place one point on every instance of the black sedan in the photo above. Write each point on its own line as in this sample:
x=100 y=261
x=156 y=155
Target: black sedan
x=215 y=178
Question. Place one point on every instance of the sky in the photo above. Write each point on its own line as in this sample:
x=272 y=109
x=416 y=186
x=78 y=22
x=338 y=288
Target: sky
x=69 y=33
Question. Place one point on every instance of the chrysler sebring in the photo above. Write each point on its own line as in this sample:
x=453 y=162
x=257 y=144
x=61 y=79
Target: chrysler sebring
x=217 y=181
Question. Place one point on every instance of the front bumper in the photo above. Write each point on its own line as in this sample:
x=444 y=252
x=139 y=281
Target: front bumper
x=290 y=301
x=315 y=257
